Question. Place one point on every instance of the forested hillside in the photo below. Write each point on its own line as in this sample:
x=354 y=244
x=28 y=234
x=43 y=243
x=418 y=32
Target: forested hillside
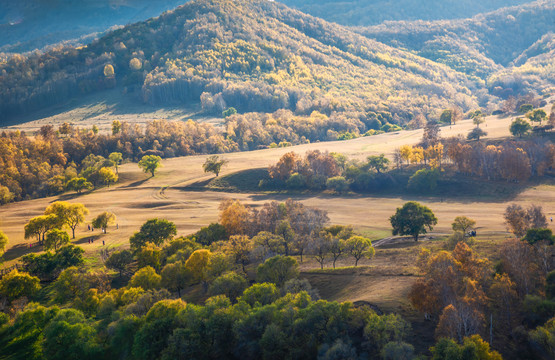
x=253 y=55
x=26 y=25
x=482 y=45
x=373 y=12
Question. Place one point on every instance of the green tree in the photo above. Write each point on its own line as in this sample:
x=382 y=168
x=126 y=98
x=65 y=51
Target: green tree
x=520 y=127
x=239 y=248
x=228 y=112
x=424 y=180
x=176 y=277
x=3 y=243
x=412 y=219
x=119 y=260
x=214 y=164
x=116 y=127
x=17 y=284
x=338 y=184
x=472 y=348
x=107 y=176
x=5 y=195
x=359 y=247
x=537 y=115
x=463 y=224
x=338 y=247
x=104 y=220
x=116 y=158
x=146 y=278
x=150 y=163
x=229 y=284
x=211 y=233
x=534 y=236
x=260 y=294
x=69 y=336
x=278 y=270
x=149 y=255
x=55 y=238
x=476 y=134
x=79 y=184
x=378 y=163
x=525 y=108
x=155 y=231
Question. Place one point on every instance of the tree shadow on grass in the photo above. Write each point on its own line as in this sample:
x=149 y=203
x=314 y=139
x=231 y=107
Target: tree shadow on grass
x=19 y=250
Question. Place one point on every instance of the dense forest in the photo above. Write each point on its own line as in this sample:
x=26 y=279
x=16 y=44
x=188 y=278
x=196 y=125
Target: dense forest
x=484 y=45
x=373 y=12
x=253 y=56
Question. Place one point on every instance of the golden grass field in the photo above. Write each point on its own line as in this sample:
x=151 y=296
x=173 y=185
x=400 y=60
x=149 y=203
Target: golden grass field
x=384 y=280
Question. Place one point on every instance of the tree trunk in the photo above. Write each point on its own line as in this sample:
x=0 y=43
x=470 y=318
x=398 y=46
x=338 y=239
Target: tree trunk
x=356 y=261
x=73 y=230
x=416 y=237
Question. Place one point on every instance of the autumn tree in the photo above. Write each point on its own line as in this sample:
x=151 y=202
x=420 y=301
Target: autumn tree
x=519 y=220
x=198 y=263
x=430 y=136
x=319 y=247
x=149 y=255
x=338 y=248
x=68 y=214
x=214 y=164
x=103 y=220
x=16 y=284
x=150 y=163
x=234 y=216
x=412 y=219
x=146 y=278
x=269 y=243
x=40 y=225
x=55 y=238
x=287 y=165
x=239 y=248
x=359 y=247
x=119 y=260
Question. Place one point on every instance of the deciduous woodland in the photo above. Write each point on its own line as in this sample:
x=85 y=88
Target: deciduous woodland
x=422 y=228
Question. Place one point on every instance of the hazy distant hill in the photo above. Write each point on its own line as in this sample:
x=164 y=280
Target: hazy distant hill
x=480 y=46
x=252 y=55
x=30 y=24
x=373 y=12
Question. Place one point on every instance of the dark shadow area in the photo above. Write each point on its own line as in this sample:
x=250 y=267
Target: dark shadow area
x=95 y=236
x=19 y=250
x=450 y=187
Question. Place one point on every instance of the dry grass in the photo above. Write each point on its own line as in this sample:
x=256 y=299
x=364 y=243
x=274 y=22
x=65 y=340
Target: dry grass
x=137 y=197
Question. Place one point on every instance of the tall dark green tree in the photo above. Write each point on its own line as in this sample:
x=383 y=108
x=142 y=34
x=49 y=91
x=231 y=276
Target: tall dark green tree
x=412 y=219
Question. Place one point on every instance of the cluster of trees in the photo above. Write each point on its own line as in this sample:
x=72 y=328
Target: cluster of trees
x=50 y=163
x=465 y=294
x=251 y=64
x=508 y=160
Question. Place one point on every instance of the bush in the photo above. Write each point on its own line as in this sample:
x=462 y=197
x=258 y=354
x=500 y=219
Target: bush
x=423 y=180
x=296 y=181
x=230 y=284
x=278 y=270
x=337 y=183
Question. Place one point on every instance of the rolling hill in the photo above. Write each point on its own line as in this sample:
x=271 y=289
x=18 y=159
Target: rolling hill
x=483 y=45
x=252 y=55
x=373 y=12
x=26 y=25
